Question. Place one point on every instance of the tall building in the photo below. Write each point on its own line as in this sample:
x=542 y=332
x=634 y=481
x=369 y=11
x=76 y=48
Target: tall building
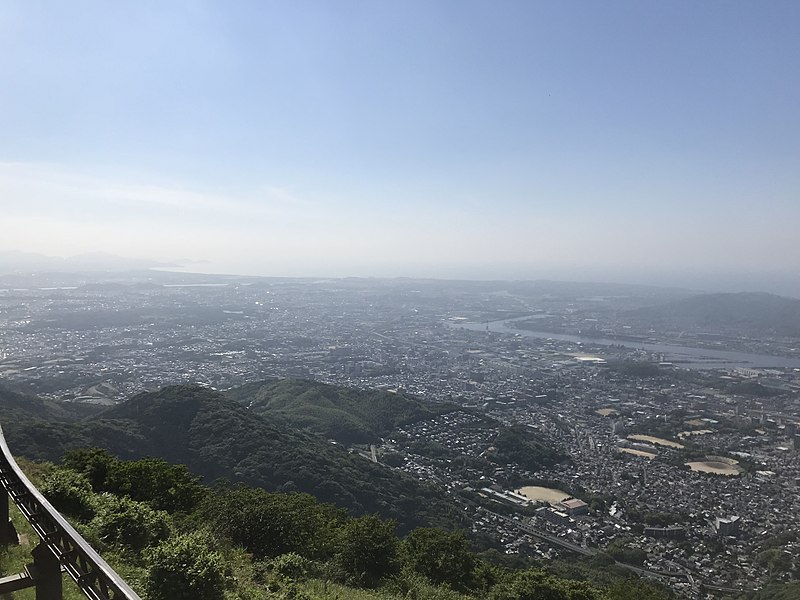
x=727 y=526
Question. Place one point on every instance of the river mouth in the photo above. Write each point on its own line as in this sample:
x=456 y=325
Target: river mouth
x=684 y=356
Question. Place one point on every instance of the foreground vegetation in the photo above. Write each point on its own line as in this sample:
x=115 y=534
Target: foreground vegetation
x=174 y=538
x=195 y=426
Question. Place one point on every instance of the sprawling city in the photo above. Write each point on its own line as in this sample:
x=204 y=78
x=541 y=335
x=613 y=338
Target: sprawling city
x=680 y=461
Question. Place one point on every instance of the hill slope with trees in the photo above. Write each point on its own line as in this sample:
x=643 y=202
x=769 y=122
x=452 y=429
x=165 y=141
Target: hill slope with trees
x=218 y=438
x=762 y=313
x=348 y=415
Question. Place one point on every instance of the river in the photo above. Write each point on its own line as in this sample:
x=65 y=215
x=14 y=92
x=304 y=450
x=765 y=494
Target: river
x=685 y=356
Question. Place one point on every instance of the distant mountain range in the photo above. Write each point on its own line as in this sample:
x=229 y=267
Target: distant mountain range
x=747 y=312
x=27 y=262
x=98 y=271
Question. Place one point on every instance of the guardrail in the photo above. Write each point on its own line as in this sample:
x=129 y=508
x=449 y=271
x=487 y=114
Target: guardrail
x=61 y=546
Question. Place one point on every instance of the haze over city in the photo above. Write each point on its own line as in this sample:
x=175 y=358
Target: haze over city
x=622 y=141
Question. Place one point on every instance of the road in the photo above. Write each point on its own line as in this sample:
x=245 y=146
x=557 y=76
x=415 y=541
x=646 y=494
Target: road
x=642 y=572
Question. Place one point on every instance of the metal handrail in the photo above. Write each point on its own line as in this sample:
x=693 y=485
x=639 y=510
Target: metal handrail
x=91 y=573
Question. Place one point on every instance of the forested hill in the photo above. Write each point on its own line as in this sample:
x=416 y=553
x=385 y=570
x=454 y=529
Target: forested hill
x=53 y=423
x=217 y=437
x=746 y=311
x=345 y=414
x=18 y=406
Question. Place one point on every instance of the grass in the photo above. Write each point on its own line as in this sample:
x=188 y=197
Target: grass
x=13 y=559
x=417 y=589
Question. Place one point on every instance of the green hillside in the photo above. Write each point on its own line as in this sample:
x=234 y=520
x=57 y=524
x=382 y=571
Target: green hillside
x=519 y=445
x=16 y=405
x=348 y=415
x=219 y=438
x=762 y=313
x=38 y=428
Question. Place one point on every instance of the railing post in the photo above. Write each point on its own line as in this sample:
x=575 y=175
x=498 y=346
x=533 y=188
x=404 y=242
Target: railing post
x=94 y=578
x=8 y=534
x=46 y=573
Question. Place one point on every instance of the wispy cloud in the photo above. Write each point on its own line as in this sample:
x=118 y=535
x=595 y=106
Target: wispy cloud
x=42 y=188
x=53 y=209
x=273 y=229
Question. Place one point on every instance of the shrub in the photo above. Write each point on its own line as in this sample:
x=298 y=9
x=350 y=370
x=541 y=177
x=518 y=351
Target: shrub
x=367 y=550
x=185 y=567
x=69 y=492
x=126 y=522
x=291 y=567
x=441 y=556
x=94 y=463
x=268 y=525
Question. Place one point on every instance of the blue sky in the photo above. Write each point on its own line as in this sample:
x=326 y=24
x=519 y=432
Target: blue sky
x=633 y=141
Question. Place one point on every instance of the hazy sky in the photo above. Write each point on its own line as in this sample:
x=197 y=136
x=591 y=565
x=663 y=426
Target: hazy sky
x=594 y=140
